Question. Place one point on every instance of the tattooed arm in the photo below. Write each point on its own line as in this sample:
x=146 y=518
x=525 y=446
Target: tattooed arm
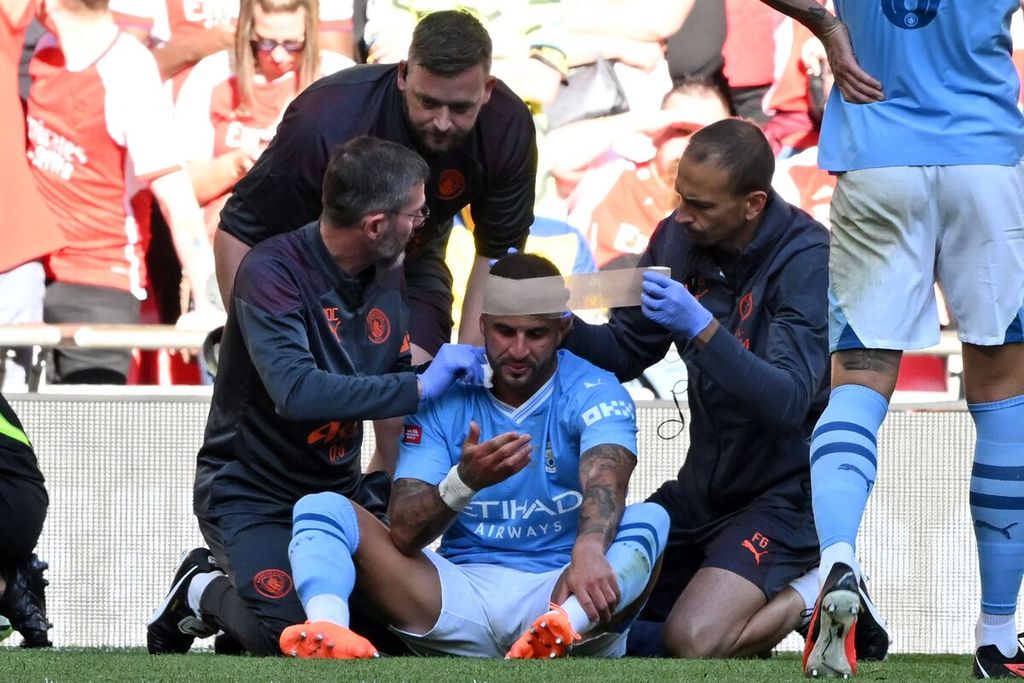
x=856 y=85
x=419 y=515
x=604 y=474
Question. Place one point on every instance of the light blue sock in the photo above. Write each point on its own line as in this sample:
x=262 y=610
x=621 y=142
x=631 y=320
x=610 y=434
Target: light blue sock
x=997 y=501
x=325 y=534
x=638 y=544
x=844 y=449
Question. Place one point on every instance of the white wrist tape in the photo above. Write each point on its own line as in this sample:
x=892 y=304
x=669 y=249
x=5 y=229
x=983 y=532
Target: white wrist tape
x=454 y=492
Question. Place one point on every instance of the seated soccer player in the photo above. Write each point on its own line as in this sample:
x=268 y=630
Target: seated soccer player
x=525 y=482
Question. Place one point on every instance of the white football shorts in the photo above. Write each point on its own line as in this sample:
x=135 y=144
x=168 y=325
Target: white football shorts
x=485 y=608
x=898 y=230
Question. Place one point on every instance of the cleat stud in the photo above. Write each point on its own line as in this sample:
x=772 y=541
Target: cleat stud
x=552 y=656
x=319 y=637
x=303 y=635
x=543 y=624
x=533 y=631
x=294 y=653
x=558 y=641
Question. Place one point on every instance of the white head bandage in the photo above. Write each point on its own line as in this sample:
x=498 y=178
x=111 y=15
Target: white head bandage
x=554 y=295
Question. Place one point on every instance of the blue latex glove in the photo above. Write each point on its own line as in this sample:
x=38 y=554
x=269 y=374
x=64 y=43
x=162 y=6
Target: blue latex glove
x=452 y=362
x=671 y=305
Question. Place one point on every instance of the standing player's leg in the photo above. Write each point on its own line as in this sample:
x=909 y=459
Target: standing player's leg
x=331 y=538
x=994 y=385
x=633 y=555
x=981 y=267
x=881 y=300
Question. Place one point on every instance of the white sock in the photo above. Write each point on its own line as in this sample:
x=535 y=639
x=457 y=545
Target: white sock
x=837 y=552
x=807 y=588
x=196 y=587
x=327 y=607
x=999 y=630
x=581 y=623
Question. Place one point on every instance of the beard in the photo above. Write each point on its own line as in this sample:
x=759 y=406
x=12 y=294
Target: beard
x=529 y=379
x=429 y=141
x=390 y=262
x=391 y=251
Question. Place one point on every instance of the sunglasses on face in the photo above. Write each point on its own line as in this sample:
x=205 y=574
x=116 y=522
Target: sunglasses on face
x=268 y=45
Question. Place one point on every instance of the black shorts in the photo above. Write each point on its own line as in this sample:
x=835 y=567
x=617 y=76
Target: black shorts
x=253 y=549
x=767 y=545
x=23 y=504
x=73 y=303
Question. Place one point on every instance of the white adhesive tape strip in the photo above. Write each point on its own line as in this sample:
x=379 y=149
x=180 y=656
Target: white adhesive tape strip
x=552 y=295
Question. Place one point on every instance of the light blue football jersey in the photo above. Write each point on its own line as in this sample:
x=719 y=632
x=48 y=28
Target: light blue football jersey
x=528 y=521
x=950 y=87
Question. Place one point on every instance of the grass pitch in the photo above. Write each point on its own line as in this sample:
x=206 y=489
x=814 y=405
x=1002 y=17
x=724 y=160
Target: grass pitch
x=67 y=665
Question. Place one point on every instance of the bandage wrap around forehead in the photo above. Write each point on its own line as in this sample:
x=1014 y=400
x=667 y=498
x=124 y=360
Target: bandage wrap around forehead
x=555 y=295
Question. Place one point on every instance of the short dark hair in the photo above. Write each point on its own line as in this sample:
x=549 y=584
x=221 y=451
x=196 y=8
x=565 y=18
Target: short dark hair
x=447 y=43
x=740 y=149
x=366 y=175
x=523 y=266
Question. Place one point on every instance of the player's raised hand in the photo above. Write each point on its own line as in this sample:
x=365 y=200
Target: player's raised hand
x=494 y=460
x=592 y=580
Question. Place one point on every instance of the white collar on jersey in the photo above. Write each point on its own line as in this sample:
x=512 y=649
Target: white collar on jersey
x=530 y=406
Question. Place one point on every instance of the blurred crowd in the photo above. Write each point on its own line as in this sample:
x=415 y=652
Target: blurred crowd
x=616 y=87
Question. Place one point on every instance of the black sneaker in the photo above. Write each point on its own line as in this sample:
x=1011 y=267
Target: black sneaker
x=829 y=649
x=872 y=635
x=24 y=602
x=989 y=662
x=174 y=625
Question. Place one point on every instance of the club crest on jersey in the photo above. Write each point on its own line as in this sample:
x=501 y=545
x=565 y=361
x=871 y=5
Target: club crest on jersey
x=549 y=460
x=412 y=434
x=910 y=15
x=378 y=326
x=451 y=184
